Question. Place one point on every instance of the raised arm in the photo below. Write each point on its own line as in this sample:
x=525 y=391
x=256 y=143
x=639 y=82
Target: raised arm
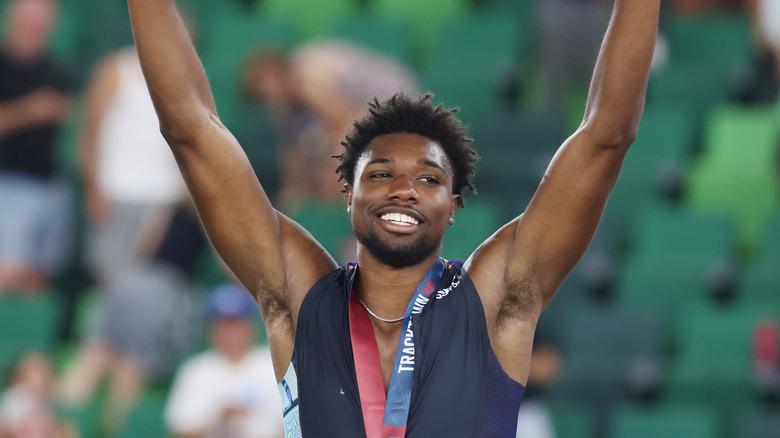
x=519 y=269
x=257 y=243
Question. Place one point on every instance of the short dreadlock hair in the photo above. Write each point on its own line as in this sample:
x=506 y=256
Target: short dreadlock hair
x=402 y=114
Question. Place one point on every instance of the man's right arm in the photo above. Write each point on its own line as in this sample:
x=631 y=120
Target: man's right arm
x=256 y=242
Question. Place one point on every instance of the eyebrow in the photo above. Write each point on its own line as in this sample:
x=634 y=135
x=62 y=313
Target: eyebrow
x=430 y=163
x=379 y=161
x=422 y=161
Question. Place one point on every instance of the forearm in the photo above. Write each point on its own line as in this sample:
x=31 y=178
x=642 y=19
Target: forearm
x=173 y=72
x=13 y=116
x=617 y=92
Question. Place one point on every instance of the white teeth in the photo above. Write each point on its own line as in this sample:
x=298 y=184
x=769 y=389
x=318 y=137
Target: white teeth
x=399 y=218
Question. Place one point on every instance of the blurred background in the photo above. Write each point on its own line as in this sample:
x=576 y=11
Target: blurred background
x=116 y=316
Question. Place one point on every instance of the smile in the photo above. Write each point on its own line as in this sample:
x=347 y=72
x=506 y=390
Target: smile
x=399 y=219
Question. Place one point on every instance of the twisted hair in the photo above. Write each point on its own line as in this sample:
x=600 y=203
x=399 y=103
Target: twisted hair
x=402 y=114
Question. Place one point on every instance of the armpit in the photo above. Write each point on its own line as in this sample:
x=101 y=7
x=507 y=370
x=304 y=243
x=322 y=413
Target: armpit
x=522 y=302
x=275 y=308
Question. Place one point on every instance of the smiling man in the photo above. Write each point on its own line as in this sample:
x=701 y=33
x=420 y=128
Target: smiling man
x=403 y=343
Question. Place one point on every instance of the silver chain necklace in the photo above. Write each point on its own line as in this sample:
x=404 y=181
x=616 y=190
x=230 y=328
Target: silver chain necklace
x=377 y=316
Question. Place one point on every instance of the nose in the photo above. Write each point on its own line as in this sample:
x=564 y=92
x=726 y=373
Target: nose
x=402 y=189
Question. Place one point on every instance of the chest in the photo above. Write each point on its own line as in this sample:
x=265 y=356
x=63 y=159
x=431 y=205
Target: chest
x=17 y=80
x=387 y=345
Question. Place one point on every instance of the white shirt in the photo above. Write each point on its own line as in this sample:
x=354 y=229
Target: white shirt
x=769 y=22
x=207 y=384
x=135 y=163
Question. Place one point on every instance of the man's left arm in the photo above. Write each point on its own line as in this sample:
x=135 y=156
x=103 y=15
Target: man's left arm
x=518 y=270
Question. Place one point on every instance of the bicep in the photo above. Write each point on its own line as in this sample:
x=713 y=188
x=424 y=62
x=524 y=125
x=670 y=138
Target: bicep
x=563 y=215
x=274 y=257
x=232 y=206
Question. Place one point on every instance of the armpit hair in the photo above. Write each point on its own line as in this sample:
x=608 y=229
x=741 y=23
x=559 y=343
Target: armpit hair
x=276 y=309
x=522 y=302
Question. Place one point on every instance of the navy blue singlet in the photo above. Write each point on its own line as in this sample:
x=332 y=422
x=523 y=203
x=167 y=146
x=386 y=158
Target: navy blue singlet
x=459 y=388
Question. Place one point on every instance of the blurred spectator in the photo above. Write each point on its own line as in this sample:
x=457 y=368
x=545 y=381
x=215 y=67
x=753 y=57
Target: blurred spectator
x=26 y=405
x=34 y=202
x=759 y=83
x=535 y=419
x=768 y=15
x=564 y=24
x=315 y=92
x=133 y=196
x=230 y=390
x=766 y=357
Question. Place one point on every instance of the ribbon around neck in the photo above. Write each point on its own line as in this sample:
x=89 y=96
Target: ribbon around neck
x=385 y=416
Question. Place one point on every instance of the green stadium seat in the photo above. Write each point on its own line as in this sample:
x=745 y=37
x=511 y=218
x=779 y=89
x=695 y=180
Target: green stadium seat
x=715 y=360
x=312 y=18
x=255 y=132
x=487 y=37
x=473 y=225
x=735 y=174
x=84 y=418
x=573 y=421
x=474 y=57
x=328 y=223
x=701 y=46
x=600 y=361
x=427 y=18
x=519 y=8
x=29 y=323
x=689 y=421
x=66 y=37
x=107 y=27
x=760 y=424
x=761 y=281
x=146 y=418
x=666 y=138
x=390 y=37
x=515 y=149
x=672 y=252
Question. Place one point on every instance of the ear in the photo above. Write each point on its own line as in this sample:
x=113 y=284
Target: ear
x=454 y=202
x=348 y=190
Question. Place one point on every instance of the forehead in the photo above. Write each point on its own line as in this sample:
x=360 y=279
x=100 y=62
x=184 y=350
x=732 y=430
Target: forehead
x=404 y=147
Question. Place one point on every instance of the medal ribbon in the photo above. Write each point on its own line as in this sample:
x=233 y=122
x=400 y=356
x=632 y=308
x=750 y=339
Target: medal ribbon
x=385 y=417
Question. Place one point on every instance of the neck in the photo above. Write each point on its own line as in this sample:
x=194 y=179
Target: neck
x=235 y=356
x=387 y=290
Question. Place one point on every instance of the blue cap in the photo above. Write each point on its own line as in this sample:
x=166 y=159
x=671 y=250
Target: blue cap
x=230 y=301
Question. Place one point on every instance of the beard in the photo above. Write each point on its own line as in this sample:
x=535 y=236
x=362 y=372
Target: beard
x=399 y=256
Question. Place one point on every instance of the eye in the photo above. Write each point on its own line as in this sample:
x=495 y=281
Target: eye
x=430 y=180
x=378 y=175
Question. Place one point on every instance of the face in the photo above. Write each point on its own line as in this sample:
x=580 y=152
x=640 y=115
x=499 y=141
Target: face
x=402 y=201
x=29 y=24
x=232 y=336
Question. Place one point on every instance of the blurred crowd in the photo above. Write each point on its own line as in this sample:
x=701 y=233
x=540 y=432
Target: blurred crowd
x=94 y=214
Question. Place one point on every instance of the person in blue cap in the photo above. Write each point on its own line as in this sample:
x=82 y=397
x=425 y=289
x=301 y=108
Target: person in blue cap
x=228 y=391
x=402 y=343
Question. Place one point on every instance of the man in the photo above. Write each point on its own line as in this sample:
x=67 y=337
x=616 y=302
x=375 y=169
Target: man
x=444 y=350
x=228 y=391
x=34 y=202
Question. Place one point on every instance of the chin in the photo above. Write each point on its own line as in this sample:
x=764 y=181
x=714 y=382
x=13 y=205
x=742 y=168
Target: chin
x=397 y=255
